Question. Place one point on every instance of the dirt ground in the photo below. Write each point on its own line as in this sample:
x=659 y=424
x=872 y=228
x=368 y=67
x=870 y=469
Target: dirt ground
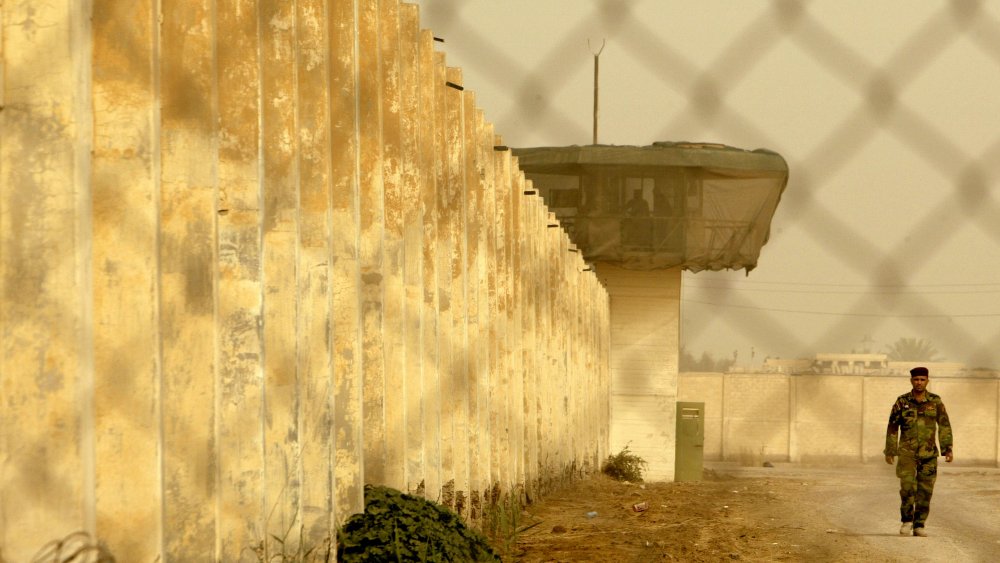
x=780 y=513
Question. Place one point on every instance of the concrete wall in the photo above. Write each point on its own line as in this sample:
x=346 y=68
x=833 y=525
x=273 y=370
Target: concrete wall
x=256 y=254
x=820 y=418
x=645 y=321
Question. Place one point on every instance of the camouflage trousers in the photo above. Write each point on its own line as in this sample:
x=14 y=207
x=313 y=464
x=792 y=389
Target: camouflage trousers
x=916 y=485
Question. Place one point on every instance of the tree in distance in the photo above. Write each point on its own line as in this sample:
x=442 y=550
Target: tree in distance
x=912 y=350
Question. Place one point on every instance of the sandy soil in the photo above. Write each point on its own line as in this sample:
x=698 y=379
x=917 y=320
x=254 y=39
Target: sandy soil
x=782 y=513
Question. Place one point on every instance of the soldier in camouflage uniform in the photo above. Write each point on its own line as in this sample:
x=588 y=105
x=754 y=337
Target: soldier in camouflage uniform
x=917 y=416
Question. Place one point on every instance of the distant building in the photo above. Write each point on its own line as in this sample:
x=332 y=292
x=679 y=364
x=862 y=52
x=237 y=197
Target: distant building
x=786 y=365
x=857 y=364
x=863 y=364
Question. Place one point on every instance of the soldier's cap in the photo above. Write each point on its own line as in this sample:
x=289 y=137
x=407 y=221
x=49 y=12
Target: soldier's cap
x=919 y=371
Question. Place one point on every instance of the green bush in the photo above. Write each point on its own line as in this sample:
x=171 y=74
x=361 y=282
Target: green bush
x=624 y=466
x=399 y=527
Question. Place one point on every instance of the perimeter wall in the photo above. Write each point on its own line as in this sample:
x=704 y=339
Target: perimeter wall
x=255 y=255
x=755 y=417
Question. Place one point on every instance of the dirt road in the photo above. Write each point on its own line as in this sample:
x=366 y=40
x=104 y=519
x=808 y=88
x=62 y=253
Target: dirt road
x=782 y=513
x=964 y=522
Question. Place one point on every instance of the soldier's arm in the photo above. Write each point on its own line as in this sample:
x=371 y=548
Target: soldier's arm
x=944 y=432
x=891 y=431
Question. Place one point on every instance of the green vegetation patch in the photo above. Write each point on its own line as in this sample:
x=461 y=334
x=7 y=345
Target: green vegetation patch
x=624 y=466
x=399 y=527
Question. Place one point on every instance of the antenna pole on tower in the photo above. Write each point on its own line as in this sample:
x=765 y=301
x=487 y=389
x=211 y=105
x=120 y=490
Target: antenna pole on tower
x=597 y=68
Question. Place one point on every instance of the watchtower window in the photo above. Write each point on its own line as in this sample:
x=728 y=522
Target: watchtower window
x=558 y=190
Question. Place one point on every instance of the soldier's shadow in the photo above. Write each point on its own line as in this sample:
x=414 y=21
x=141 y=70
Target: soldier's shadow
x=881 y=535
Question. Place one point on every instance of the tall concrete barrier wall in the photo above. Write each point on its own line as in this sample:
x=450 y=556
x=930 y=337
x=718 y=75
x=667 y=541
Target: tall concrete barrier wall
x=755 y=417
x=255 y=255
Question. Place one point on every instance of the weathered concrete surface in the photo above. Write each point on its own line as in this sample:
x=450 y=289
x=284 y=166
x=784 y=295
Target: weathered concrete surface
x=254 y=255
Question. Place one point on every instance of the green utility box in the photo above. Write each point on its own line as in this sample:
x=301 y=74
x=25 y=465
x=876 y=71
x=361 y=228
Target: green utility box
x=689 y=457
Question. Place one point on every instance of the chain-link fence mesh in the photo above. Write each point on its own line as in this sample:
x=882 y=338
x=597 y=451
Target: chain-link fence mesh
x=886 y=112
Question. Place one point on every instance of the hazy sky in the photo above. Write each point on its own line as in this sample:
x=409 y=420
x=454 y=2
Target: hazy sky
x=886 y=111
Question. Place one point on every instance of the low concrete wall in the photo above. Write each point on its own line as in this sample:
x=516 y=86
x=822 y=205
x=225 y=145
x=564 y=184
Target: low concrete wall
x=752 y=417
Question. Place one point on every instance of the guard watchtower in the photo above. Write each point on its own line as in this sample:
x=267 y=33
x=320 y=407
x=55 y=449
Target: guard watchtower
x=697 y=206
x=641 y=215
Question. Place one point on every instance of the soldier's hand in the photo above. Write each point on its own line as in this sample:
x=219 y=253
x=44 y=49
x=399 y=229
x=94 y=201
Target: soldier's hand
x=949 y=456
x=889 y=459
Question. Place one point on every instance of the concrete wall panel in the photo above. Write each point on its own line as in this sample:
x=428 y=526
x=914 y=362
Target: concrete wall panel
x=973 y=416
x=188 y=215
x=125 y=203
x=413 y=240
x=346 y=294
x=429 y=135
x=45 y=361
x=314 y=273
x=757 y=411
x=392 y=161
x=879 y=395
x=280 y=275
x=371 y=223
x=825 y=418
x=706 y=388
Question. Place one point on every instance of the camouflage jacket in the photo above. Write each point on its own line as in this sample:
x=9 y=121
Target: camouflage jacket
x=916 y=423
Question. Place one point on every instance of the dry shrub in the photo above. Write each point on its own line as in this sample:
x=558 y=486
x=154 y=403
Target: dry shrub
x=624 y=466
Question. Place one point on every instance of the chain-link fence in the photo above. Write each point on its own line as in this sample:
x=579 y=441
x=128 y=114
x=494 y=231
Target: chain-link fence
x=886 y=112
